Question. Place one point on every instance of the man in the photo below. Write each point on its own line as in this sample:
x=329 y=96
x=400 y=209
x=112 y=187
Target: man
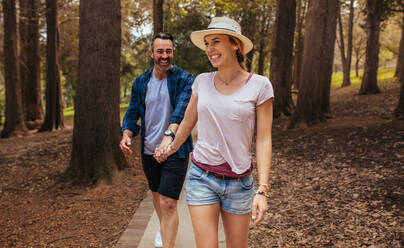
x=159 y=98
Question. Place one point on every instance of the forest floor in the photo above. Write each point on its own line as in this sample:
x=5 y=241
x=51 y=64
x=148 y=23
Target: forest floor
x=335 y=184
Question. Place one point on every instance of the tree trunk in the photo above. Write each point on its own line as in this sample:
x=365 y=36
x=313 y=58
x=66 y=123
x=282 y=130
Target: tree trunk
x=297 y=60
x=342 y=51
x=346 y=80
x=22 y=27
x=350 y=45
x=248 y=24
x=399 y=111
x=281 y=56
x=54 y=105
x=318 y=54
x=262 y=51
x=32 y=88
x=158 y=16
x=14 y=125
x=374 y=9
x=261 y=57
x=328 y=54
x=96 y=155
x=400 y=59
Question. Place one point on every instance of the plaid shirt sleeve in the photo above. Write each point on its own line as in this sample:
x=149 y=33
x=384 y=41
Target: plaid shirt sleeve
x=183 y=96
x=132 y=113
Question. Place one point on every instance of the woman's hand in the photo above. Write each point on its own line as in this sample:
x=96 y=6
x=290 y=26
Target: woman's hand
x=160 y=153
x=260 y=207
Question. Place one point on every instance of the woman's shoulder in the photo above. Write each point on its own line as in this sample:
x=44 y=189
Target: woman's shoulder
x=260 y=80
x=205 y=75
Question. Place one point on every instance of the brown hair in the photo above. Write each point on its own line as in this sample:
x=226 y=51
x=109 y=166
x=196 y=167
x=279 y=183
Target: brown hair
x=239 y=53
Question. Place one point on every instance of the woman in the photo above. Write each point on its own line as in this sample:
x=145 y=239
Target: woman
x=226 y=104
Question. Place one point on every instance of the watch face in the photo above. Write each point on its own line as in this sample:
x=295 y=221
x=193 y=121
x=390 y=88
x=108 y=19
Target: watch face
x=168 y=132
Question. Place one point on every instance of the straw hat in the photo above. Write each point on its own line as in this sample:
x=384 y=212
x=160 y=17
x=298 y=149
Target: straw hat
x=221 y=25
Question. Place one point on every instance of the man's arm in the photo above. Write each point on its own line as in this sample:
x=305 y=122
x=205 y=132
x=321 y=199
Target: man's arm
x=126 y=141
x=130 y=128
x=182 y=99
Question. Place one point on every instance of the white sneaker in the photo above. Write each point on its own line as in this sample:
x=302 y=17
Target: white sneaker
x=158 y=242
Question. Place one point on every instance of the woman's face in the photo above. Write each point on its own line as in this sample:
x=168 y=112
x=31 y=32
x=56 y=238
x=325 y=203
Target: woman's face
x=220 y=50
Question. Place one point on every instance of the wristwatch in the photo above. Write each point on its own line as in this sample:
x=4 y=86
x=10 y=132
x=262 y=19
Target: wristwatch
x=168 y=132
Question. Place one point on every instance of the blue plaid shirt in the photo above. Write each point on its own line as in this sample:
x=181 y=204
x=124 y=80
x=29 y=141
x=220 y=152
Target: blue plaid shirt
x=179 y=83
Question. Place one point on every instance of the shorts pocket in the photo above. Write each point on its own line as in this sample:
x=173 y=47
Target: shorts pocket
x=195 y=173
x=247 y=182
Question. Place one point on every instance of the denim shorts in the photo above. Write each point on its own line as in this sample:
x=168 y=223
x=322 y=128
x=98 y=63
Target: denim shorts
x=235 y=196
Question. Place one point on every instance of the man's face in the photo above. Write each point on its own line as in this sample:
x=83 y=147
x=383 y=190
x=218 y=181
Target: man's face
x=162 y=53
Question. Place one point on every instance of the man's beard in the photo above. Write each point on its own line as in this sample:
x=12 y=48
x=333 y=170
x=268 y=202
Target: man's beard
x=168 y=64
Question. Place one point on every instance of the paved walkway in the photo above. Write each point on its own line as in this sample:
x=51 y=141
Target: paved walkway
x=142 y=228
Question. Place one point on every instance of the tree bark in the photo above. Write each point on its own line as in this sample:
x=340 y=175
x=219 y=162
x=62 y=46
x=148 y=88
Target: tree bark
x=32 y=88
x=346 y=59
x=374 y=9
x=297 y=60
x=22 y=28
x=318 y=54
x=281 y=56
x=248 y=24
x=96 y=155
x=263 y=40
x=261 y=57
x=54 y=104
x=400 y=59
x=399 y=111
x=14 y=124
x=158 y=16
x=347 y=81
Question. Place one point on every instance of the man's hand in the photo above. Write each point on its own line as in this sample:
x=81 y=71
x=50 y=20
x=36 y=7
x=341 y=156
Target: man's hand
x=125 y=143
x=160 y=154
x=260 y=206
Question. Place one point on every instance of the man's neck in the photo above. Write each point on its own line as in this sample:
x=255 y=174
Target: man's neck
x=160 y=74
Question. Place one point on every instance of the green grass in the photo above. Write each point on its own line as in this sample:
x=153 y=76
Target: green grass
x=382 y=74
x=69 y=113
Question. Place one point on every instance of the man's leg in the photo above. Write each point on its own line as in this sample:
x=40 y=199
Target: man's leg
x=171 y=182
x=156 y=204
x=169 y=220
x=152 y=170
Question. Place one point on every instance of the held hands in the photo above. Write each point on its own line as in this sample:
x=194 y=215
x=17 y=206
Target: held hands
x=164 y=150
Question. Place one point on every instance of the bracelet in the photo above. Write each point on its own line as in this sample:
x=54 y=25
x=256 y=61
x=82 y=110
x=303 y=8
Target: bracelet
x=266 y=186
x=260 y=192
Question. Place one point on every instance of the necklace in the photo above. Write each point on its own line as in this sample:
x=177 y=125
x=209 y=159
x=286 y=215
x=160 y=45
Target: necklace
x=225 y=82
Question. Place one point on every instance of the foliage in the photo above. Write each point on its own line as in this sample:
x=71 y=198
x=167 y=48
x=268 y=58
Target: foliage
x=181 y=19
x=135 y=14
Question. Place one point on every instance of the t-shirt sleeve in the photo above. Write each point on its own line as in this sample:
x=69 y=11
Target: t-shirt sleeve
x=195 y=86
x=265 y=91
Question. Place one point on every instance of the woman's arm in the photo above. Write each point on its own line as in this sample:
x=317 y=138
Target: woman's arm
x=264 y=157
x=183 y=131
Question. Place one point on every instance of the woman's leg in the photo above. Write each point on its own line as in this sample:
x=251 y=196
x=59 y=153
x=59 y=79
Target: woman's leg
x=236 y=229
x=205 y=221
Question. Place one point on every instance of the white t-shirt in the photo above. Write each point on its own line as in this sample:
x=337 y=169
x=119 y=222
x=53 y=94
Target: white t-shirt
x=226 y=122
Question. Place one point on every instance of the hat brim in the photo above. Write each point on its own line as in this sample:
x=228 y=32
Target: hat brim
x=197 y=37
